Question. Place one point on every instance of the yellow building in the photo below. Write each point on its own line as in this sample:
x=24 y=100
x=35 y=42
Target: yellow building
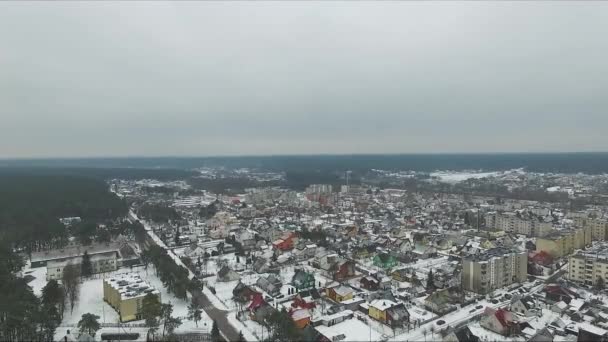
x=378 y=308
x=561 y=243
x=340 y=293
x=125 y=293
x=487 y=244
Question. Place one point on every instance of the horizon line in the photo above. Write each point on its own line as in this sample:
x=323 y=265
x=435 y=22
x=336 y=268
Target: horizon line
x=292 y=155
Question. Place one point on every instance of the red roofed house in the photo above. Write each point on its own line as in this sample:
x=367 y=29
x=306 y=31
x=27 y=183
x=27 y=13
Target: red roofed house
x=343 y=269
x=286 y=242
x=256 y=302
x=259 y=310
x=499 y=321
x=298 y=302
x=541 y=258
x=557 y=293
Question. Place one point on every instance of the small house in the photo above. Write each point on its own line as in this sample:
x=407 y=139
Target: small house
x=385 y=260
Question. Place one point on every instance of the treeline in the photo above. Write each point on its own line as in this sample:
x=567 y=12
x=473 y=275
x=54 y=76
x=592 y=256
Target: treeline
x=228 y=185
x=296 y=180
x=158 y=213
x=299 y=180
x=60 y=167
x=30 y=207
x=174 y=277
x=23 y=316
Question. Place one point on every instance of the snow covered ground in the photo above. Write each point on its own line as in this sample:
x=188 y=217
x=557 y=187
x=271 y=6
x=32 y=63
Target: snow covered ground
x=252 y=331
x=39 y=280
x=90 y=300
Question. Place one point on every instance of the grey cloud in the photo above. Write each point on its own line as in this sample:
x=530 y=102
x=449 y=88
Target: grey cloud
x=209 y=78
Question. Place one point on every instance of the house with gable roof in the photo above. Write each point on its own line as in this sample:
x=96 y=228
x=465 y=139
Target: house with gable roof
x=499 y=321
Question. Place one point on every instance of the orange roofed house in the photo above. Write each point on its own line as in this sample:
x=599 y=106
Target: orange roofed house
x=286 y=242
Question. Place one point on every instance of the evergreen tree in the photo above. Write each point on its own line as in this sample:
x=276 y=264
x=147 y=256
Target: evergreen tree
x=194 y=312
x=89 y=323
x=49 y=321
x=283 y=327
x=215 y=332
x=151 y=309
x=51 y=293
x=176 y=237
x=430 y=281
x=600 y=284
x=86 y=267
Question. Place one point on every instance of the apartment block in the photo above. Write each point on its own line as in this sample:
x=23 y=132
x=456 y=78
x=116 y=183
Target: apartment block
x=511 y=223
x=588 y=266
x=598 y=226
x=561 y=243
x=494 y=269
x=125 y=293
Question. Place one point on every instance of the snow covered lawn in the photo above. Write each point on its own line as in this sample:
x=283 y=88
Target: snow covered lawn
x=39 y=280
x=90 y=300
x=251 y=330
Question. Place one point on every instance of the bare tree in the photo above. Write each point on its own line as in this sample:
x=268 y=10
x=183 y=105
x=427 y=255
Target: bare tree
x=71 y=283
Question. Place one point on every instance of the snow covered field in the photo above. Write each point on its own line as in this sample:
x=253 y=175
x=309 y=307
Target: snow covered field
x=456 y=177
x=91 y=301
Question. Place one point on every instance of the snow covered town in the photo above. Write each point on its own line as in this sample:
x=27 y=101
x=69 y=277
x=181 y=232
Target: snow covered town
x=351 y=263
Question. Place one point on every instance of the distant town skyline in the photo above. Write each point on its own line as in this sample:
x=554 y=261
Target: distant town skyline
x=290 y=78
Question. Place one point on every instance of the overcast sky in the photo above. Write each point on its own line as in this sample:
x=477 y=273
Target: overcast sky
x=236 y=78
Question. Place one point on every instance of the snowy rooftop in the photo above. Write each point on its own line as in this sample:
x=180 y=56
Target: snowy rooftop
x=592 y=329
x=130 y=285
x=74 y=251
x=382 y=304
x=352 y=329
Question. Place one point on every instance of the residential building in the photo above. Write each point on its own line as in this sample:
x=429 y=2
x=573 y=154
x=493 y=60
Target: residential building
x=301 y=318
x=125 y=293
x=599 y=227
x=286 y=242
x=385 y=260
x=561 y=243
x=463 y=334
x=271 y=284
x=512 y=223
x=226 y=274
x=589 y=266
x=303 y=280
x=340 y=293
x=389 y=312
x=499 y=321
x=525 y=306
x=591 y=333
x=40 y=259
x=100 y=263
x=494 y=269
